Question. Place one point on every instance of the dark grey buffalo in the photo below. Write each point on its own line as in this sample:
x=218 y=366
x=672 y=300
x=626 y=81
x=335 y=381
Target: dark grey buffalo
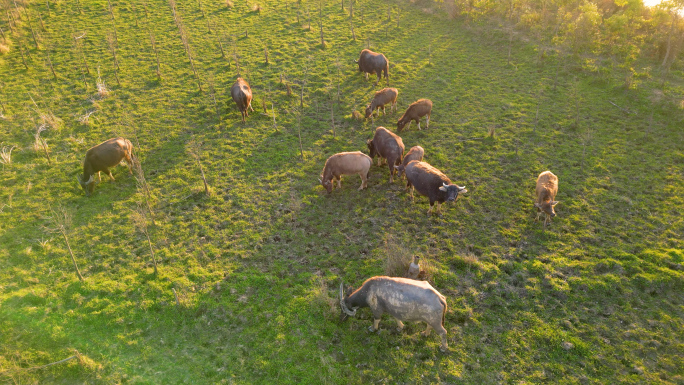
x=373 y=63
x=402 y=298
x=99 y=158
x=386 y=145
x=432 y=183
x=242 y=95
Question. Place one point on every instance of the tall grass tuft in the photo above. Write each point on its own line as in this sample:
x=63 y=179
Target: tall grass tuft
x=102 y=89
x=321 y=298
x=85 y=119
x=6 y=155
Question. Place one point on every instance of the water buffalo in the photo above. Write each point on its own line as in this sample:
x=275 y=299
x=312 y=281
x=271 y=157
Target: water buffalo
x=371 y=62
x=432 y=183
x=547 y=188
x=345 y=163
x=415 y=153
x=385 y=144
x=99 y=158
x=381 y=98
x=415 y=111
x=242 y=95
x=404 y=299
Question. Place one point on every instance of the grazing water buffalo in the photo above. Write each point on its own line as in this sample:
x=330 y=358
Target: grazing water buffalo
x=404 y=299
x=242 y=95
x=385 y=144
x=371 y=62
x=345 y=163
x=99 y=158
x=547 y=188
x=381 y=98
x=415 y=111
x=432 y=183
x=415 y=153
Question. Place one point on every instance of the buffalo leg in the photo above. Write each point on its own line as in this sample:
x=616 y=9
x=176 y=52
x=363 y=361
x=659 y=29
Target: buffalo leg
x=375 y=326
x=430 y=209
x=364 y=181
x=427 y=124
x=250 y=106
x=400 y=325
x=412 y=188
x=366 y=75
x=109 y=172
x=409 y=125
x=339 y=181
x=391 y=170
x=383 y=111
x=99 y=178
x=418 y=121
x=427 y=331
x=443 y=334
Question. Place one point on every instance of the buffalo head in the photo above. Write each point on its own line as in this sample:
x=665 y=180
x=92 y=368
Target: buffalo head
x=371 y=148
x=326 y=183
x=547 y=207
x=343 y=304
x=452 y=191
x=87 y=186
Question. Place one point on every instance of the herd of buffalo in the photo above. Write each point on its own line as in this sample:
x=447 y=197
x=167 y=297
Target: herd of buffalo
x=405 y=299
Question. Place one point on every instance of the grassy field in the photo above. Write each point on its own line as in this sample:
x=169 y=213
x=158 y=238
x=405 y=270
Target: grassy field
x=596 y=298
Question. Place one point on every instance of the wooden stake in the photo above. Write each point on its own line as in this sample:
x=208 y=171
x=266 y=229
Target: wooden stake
x=299 y=133
x=50 y=63
x=73 y=259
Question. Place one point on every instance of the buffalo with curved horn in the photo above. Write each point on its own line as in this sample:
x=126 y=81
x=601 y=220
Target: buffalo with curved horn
x=404 y=299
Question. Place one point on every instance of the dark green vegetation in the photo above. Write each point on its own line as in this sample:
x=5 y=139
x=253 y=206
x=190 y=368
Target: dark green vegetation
x=596 y=298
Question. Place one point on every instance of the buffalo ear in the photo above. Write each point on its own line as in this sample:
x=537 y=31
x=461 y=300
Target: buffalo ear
x=554 y=203
x=463 y=190
x=442 y=188
x=537 y=205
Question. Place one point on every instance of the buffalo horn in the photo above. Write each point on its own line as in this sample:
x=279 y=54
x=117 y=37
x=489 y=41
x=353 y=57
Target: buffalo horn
x=343 y=305
x=445 y=185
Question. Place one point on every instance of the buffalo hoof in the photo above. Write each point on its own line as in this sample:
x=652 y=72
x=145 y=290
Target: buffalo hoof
x=371 y=329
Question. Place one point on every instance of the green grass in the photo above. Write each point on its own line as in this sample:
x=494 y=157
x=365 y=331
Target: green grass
x=257 y=263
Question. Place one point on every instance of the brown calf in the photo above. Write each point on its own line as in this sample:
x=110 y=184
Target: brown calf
x=381 y=98
x=242 y=95
x=415 y=111
x=415 y=153
x=547 y=188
